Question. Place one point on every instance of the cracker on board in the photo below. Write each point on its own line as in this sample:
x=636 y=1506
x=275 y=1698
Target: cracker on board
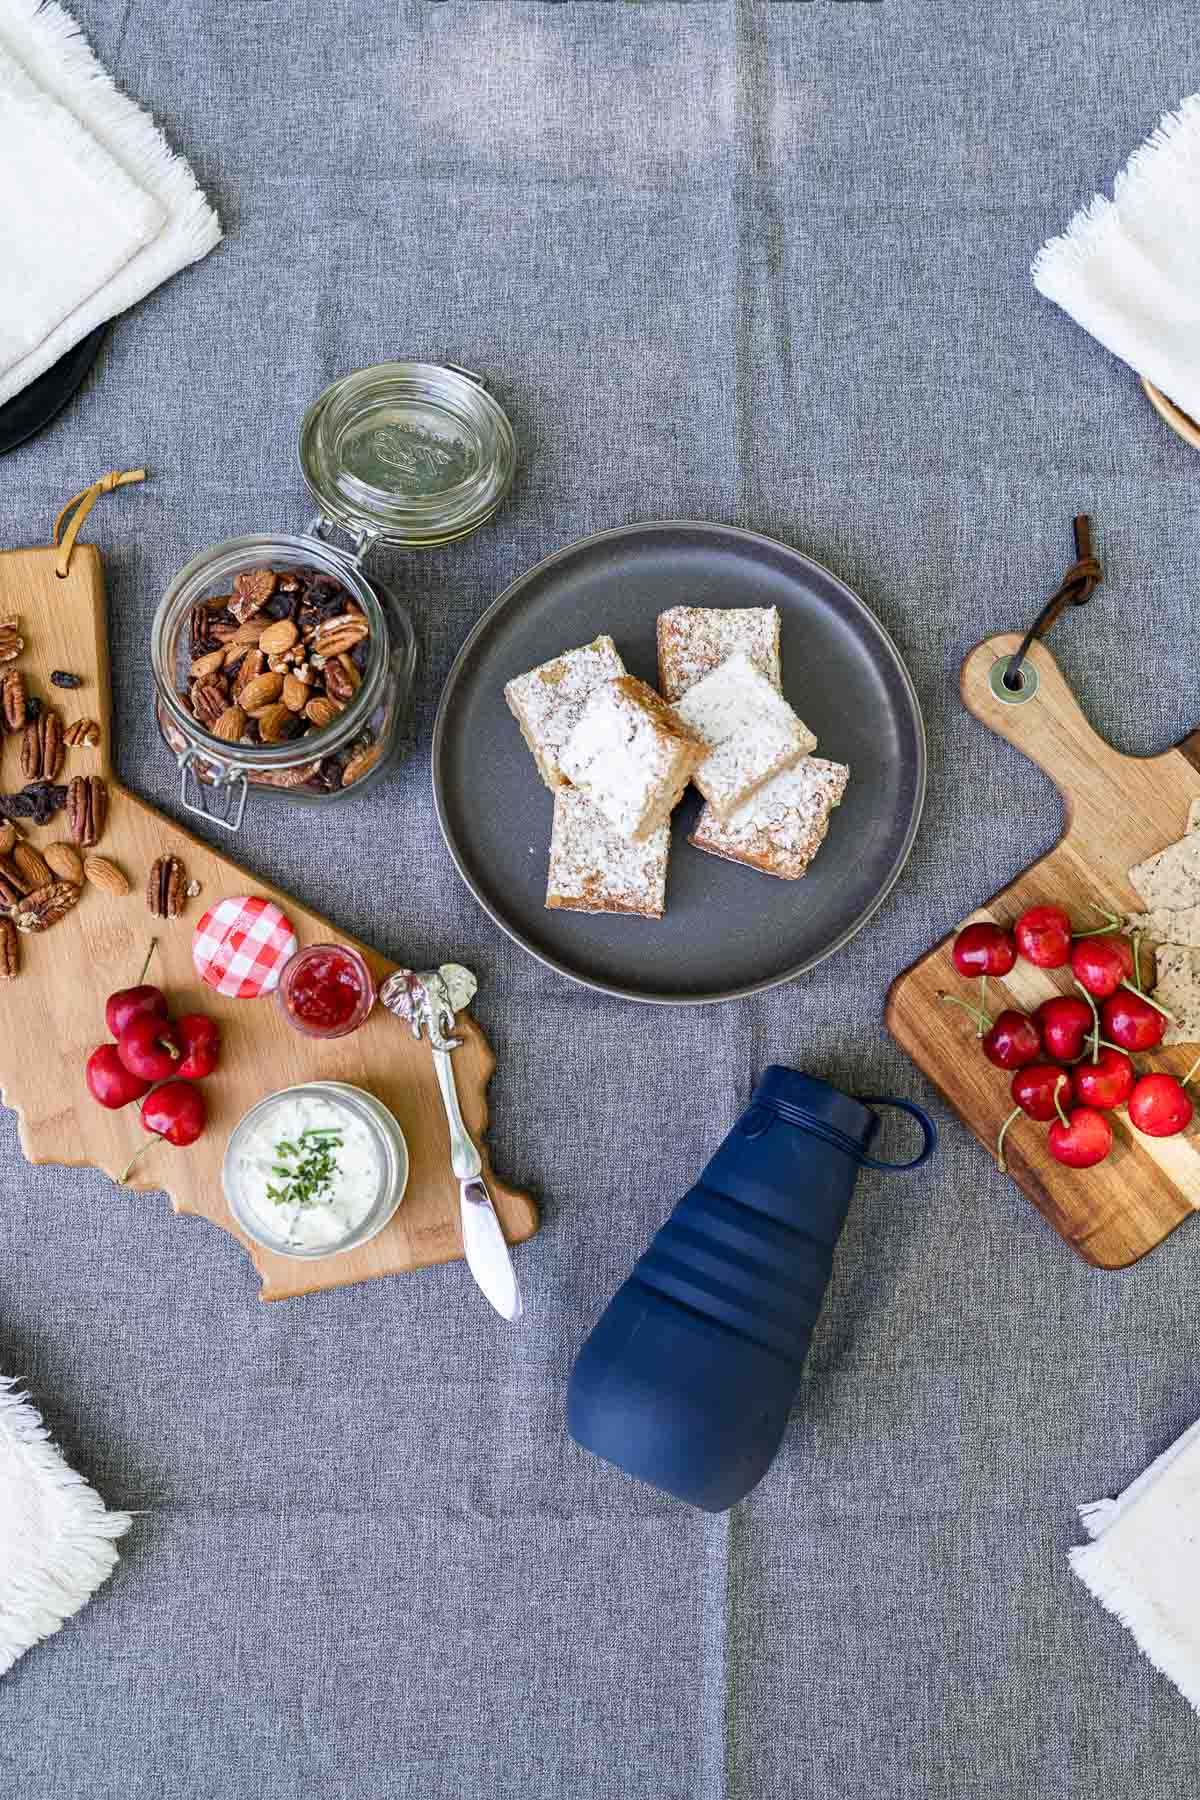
x=1178 y=989
x=1164 y=925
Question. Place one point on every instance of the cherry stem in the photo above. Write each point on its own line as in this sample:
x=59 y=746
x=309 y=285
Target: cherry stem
x=1112 y=923
x=146 y=964
x=982 y=1004
x=1137 y=964
x=123 y=1177
x=1186 y=1078
x=976 y=1014
x=1095 y=1022
x=1000 y=1162
x=1107 y=1044
x=1058 y=1105
x=1151 y=1001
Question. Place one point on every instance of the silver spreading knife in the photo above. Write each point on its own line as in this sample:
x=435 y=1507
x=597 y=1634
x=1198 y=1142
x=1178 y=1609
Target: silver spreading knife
x=428 y=1002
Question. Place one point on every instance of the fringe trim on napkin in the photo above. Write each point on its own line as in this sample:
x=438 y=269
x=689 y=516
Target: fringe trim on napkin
x=1171 y=154
x=52 y=49
x=46 y=1577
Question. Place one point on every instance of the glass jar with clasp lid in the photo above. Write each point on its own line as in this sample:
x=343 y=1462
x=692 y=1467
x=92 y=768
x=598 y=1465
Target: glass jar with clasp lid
x=280 y=665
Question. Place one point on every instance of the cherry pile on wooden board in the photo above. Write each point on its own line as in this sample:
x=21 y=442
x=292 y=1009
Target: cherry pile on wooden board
x=1092 y=1034
x=157 y=1060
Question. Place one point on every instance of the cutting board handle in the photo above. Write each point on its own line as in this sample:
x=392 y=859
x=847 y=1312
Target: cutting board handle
x=1049 y=728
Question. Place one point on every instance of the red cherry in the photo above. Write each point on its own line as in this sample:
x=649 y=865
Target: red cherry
x=983 y=949
x=1106 y=1082
x=175 y=1111
x=1034 y=1090
x=128 y=1004
x=1159 y=1106
x=1065 y=1023
x=1083 y=1141
x=1101 y=964
x=150 y=1047
x=1131 y=1021
x=1013 y=1041
x=1043 y=935
x=201 y=1039
x=109 y=1081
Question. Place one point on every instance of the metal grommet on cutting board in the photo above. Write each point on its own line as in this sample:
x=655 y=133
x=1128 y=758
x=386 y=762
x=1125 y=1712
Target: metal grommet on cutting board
x=1028 y=682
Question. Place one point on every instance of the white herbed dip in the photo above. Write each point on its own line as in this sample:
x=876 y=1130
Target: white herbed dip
x=306 y=1169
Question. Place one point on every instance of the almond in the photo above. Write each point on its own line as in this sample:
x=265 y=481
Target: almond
x=249 y=633
x=204 y=666
x=252 y=665
x=278 y=638
x=231 y=724
x=262 y=691
x=65 y=862
x=106 y=875
x=8 y=837
x=321 y=710
x=276 y=723
x=31 y=865
x=295 y=693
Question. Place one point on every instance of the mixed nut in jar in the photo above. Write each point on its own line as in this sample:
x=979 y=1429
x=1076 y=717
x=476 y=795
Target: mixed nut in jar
x=279 y=665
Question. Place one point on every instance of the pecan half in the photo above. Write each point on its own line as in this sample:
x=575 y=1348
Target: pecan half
x=13 y=700
x=340 y=633
x=341 y=679
x=10 y=950
x=209 y=700
x=83 y=733
x=12 y=886
x=361 y=763
x=45 y=906
x=166 y=888
x=11 y=642
x=42 y=746
x=87 y=809
x=251 y=591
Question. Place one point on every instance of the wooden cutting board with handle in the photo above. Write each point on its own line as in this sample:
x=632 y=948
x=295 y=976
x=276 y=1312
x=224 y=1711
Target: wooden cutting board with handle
x=53 y=1012
x=1119 y=810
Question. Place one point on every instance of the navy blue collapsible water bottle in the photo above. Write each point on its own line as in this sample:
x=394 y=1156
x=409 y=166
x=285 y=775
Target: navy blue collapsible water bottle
x=688 y=1378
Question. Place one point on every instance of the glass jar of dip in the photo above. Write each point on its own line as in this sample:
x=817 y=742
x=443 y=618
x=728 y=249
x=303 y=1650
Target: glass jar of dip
x=405 y=454
x=314 y=1170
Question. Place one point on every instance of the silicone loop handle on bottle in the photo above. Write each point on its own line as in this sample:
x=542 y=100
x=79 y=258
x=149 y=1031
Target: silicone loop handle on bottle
x=928 y=1132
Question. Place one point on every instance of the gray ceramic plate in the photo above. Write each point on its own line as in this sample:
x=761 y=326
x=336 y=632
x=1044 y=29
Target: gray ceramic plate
x=728 y=930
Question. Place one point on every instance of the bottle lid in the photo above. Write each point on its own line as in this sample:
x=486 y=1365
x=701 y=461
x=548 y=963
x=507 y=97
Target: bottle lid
x=407 y=453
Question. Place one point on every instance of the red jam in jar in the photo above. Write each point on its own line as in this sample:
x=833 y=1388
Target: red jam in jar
x=326 y=990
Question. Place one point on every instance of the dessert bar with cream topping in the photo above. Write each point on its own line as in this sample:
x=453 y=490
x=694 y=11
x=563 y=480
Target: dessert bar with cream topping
x=630 y=754
x=594 y=869
x=780 y=829
x=695 y=640
x=547 y=700
x=752 y=733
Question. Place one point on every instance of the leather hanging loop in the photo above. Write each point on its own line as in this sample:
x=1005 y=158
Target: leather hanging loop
x=79 y=506
x=1075 y=589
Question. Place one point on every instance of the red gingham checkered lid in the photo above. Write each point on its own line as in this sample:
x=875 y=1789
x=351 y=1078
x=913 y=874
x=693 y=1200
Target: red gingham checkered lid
x=241 y=945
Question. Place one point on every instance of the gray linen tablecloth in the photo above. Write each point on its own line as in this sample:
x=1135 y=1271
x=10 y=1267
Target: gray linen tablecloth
x=761 y=263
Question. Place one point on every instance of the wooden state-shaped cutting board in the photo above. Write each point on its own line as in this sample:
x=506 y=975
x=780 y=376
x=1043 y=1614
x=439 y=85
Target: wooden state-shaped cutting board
x=53 y=1013
x=1119 y=810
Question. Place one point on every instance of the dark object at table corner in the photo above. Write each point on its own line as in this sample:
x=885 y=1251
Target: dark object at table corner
x=493 y=808
x=34 y=407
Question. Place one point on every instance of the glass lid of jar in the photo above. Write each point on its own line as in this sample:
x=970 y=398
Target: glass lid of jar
x=407 y=453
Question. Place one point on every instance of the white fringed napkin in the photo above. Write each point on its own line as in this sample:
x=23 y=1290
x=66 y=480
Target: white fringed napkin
x=57 y=1541
x=1128 y=269
x=1144 y=1561
x=95 y=209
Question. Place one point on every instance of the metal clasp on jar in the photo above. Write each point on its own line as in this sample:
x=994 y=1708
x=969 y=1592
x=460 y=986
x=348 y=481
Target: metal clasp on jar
x=222 y=776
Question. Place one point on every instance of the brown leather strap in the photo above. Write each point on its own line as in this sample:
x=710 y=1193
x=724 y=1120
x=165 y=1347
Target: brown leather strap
x=1075 y=589
x=80 y=506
